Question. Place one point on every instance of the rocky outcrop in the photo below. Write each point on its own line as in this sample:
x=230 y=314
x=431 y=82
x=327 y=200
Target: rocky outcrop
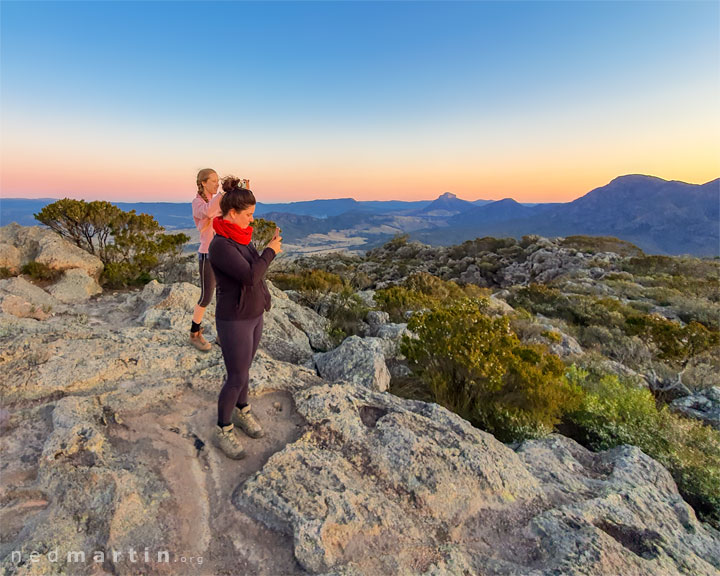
x=20 y=245
x=358 y=360
x=378 y=485
x=25 y=300
x=74 y=286
x=23 y=244
x=703 y=405
x=106 y=446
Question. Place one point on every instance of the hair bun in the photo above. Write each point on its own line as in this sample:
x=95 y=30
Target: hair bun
x=230 y=183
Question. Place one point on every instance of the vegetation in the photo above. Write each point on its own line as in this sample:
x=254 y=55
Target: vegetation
x=420 y=291
x=476 y=366
x=40 y=271
x=596 y=244
x=130 y=245
x=312 y=282
x=617 y=328
x=613 y=413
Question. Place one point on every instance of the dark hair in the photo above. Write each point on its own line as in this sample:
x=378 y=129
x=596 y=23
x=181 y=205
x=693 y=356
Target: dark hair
x=235 y=198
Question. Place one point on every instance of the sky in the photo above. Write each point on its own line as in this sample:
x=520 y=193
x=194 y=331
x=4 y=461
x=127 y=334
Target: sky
x=538 y=101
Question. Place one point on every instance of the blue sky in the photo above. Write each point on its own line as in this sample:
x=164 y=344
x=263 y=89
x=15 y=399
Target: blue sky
x=538 y=101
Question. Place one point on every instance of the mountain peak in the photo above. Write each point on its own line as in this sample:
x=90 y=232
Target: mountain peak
x=447 y=196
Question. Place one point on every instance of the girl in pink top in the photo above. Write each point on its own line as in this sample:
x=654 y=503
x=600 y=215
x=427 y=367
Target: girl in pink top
x=205 y=207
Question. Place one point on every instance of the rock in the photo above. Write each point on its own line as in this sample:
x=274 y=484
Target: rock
x=367 y=297
x=376 y=318
x=391 y=336
x=498 y=306
x=10 y=257
x=357 y=360
x=616 y=512
x=47 y=247
x=74 y=286
x=171 y=306
x=11 y=304
x=380 y=485
x=107 y=427
x=29 y=292
x=703 y=405
x=377 y=474
x=308 y=321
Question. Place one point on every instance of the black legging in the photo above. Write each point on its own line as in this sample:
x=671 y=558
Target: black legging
x=240 y=339
x=207 y=280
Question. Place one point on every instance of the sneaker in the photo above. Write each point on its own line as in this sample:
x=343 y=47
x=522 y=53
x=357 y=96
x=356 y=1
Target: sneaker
x=245 y=420
x=197 y=340
x=226 y=439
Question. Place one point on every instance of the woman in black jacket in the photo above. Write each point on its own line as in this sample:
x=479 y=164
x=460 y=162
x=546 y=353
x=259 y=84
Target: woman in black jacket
x=242 y=298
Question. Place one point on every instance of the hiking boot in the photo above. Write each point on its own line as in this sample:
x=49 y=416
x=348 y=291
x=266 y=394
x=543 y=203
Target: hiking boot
x=197 y=340
x=245 y=420
x=226 y=439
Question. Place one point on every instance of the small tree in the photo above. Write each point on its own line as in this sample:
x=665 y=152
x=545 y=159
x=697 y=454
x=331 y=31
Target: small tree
x=130 y=245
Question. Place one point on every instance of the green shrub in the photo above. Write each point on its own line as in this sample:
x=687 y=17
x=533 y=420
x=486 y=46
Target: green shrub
x=40 y=271
x=421 y=291
x=313 y=280
x=477 y=367
x=346 y=311
x=613 y=413
x=6 y=272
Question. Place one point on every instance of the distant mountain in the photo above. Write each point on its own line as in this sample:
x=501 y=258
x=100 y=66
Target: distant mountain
x=659 y=216
x=446 y=205
x=500 y=211
x=315 y=208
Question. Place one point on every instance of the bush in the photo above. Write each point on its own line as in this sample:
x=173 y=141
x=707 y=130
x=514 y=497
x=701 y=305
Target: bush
x=596 y=244
x=423 y=291
x=308 y=281
x=613 y=413
x=477 y=367
x=130 y=245
x=40 y=271
x=346 y=312
x=5 y=272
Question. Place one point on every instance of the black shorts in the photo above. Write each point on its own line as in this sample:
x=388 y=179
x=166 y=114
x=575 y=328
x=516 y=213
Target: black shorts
x=207 y=280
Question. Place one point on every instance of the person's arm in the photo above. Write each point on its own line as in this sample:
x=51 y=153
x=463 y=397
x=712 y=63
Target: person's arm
x=203 y=210
x=230 y=262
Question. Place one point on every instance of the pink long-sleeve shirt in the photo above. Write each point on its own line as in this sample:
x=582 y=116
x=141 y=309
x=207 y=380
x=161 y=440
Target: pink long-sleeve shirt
x=203 y=214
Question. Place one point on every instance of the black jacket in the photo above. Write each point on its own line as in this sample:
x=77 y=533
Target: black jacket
x=240 y=277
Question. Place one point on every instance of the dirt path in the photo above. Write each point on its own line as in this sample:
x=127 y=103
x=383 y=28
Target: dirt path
x=201 y=517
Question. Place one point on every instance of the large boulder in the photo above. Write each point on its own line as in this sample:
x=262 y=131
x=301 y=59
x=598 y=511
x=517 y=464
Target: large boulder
x=315 y=327
x=28 y=292
x=703 y=405
x=40 y=244
x=357 y=360
x=380 y=485
x=75 y=286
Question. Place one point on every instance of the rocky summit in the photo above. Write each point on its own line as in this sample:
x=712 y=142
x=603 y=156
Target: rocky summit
x=108 y=467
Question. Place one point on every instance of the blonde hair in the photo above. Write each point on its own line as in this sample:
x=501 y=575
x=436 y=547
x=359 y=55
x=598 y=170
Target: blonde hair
x=202 y=176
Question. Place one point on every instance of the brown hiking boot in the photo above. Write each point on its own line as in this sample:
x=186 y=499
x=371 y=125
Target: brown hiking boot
x=227 y=440
x=197 y=340
x=247 y=422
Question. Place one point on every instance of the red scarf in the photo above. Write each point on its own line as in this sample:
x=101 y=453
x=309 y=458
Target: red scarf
x=233 y=231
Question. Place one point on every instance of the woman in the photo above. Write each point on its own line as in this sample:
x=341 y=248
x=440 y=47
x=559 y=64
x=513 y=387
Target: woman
x=205 y=207
x=242 y=298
